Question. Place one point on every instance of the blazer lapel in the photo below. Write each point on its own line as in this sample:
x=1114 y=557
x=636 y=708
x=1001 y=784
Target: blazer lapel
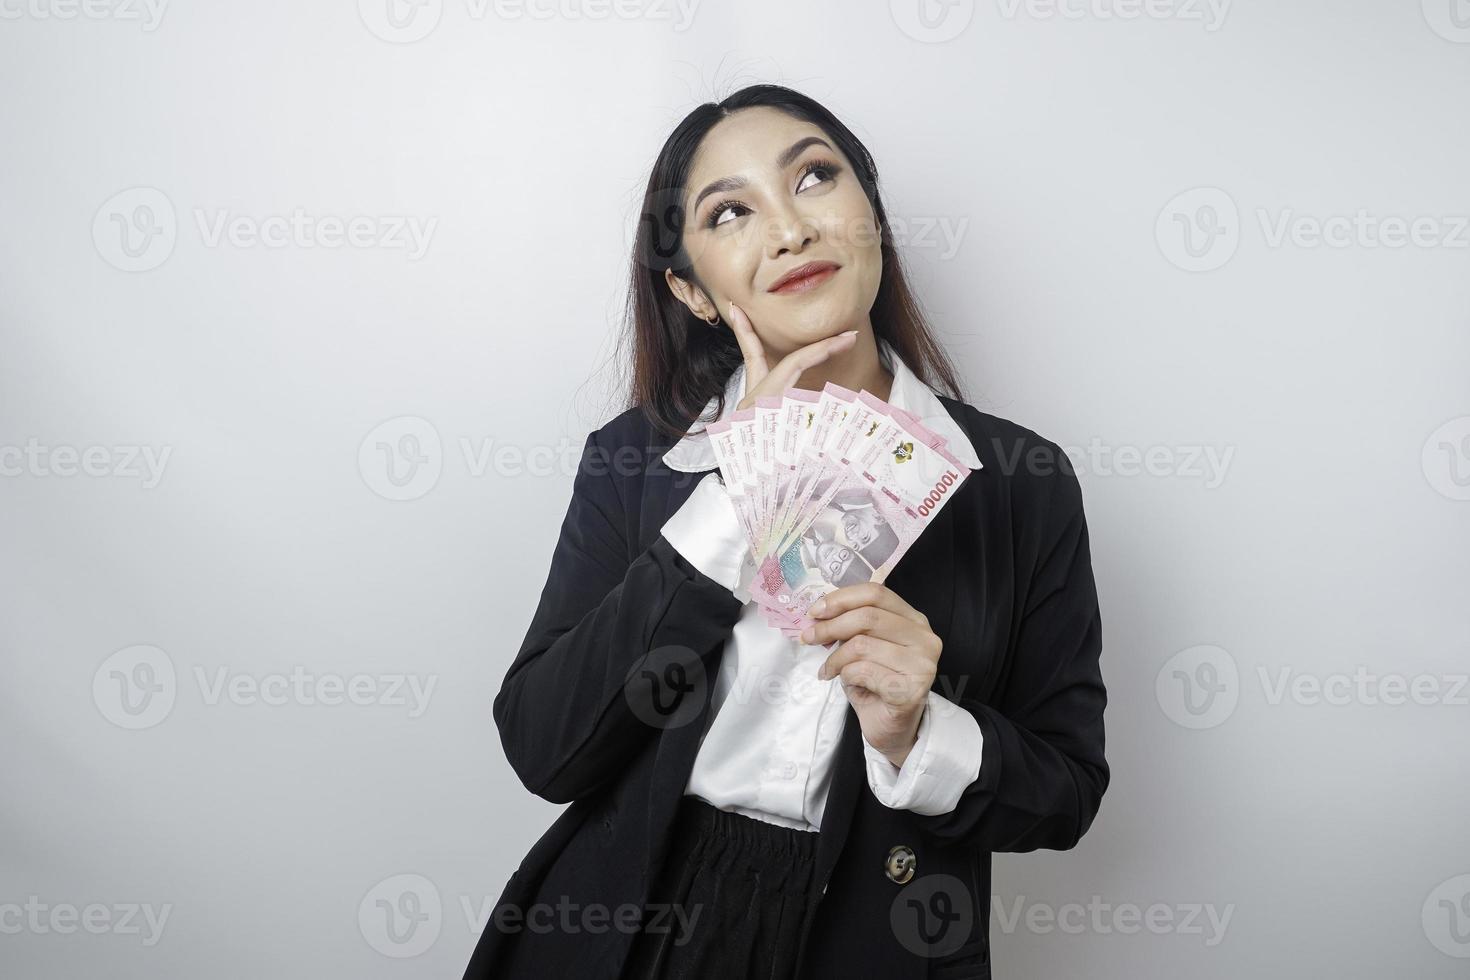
x=924 y=578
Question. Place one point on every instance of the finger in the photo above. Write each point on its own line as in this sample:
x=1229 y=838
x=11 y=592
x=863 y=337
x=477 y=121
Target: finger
x=750 y=347
x=873 y=620
x=893 y=656
x=839 y=601
x=786 y=372
x=892 y=688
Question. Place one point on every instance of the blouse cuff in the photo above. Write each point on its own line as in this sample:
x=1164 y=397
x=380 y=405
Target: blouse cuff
x=944 y=760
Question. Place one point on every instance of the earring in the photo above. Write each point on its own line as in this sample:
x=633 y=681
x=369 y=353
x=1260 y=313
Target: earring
x=715 y=322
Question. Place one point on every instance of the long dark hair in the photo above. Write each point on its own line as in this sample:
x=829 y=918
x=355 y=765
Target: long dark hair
x=679 y=362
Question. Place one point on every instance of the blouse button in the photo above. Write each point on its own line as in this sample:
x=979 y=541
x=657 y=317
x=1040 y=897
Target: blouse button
x=788 y=770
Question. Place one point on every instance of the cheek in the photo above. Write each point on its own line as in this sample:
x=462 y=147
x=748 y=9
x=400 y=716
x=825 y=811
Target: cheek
x=850 y=223
x=864 y=253
x=727 y=269
x=866 y=268
x=872 y=271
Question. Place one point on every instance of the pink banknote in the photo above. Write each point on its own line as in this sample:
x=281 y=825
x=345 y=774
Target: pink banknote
x=832 y=489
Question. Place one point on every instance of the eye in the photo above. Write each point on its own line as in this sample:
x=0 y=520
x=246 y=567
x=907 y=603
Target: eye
x=719 y=209
x=827 y=168
x=817 y=166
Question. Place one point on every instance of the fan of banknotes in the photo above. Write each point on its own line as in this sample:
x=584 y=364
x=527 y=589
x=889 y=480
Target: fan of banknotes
x=831 y=488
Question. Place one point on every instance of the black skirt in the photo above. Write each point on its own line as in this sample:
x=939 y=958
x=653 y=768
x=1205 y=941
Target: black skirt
x=731 y=898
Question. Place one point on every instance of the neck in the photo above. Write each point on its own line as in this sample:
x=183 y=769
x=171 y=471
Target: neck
x=858 y=368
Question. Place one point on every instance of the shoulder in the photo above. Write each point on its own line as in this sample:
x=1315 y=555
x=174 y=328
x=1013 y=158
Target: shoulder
x=630 y=427
x=631 y=442
x=627 y=448
x=1037 y=471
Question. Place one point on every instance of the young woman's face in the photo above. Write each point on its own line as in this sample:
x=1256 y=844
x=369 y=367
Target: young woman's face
x=785 y=209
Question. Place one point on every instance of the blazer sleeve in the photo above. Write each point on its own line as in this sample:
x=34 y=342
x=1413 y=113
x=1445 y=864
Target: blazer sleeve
x=1043 y=772
x=571 y=712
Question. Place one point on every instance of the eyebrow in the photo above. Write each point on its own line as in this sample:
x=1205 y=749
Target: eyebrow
x=783 y=161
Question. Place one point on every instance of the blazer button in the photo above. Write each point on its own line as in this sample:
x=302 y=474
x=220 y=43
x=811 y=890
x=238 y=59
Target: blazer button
x=900 y=864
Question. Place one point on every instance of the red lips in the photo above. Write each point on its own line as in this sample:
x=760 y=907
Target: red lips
x=806 y=275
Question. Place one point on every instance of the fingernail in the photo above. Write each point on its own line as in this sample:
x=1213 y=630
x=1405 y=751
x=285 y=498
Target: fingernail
x=822 y=672
x=848 y=333
x=806 y=635
x=818 y=607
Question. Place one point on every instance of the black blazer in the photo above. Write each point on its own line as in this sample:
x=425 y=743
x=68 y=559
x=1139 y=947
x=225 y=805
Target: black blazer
x=605 y=703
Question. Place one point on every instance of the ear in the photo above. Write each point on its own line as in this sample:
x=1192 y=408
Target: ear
x=690 y=295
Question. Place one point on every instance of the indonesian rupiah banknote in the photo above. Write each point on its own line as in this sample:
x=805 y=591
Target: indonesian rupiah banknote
x=831 y=488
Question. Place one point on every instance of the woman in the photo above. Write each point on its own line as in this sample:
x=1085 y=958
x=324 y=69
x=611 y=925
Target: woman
x=844 y=826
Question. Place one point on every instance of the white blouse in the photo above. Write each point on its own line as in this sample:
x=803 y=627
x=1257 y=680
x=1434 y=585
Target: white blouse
x=773 y=727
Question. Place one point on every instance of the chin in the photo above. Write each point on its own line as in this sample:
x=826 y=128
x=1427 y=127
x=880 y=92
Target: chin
x=810 y=326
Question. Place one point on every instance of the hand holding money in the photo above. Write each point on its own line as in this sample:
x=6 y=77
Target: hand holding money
x=831 y=489
x=887 y=657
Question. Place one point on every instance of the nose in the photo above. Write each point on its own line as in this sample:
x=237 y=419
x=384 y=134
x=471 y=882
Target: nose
x=789 y=230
